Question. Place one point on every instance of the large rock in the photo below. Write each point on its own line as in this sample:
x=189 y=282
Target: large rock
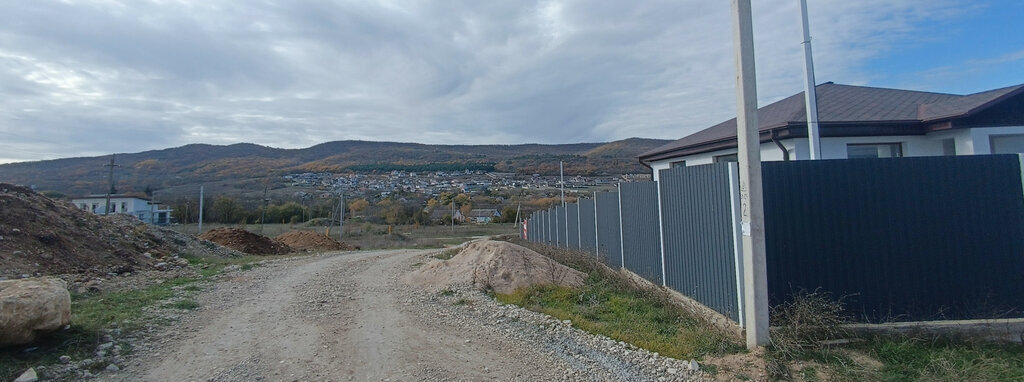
x=30 y=306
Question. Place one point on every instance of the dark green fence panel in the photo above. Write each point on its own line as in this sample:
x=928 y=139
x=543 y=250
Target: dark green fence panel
x=699 y=235
x=901 y=239
x=609 y=245
x=641 y=237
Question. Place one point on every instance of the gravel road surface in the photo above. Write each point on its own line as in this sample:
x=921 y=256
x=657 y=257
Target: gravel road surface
x=347 y=316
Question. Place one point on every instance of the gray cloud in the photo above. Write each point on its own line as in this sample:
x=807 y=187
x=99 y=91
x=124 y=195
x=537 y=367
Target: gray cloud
x=89 y=78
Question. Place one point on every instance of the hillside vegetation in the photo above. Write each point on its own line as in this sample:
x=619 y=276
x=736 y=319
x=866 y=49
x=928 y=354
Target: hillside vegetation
x=198 y=163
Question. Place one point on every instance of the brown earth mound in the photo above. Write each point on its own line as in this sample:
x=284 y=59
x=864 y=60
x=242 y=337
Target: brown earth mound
x=311 y=241
x=496 y=265
x=42 y=236
x=245 y=241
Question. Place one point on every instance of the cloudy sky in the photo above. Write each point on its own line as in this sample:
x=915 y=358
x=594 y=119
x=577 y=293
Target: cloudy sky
x=83 y=78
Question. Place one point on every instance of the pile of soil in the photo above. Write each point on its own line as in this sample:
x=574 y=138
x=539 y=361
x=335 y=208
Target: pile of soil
x=41 y=236
x=499 y=266
x=245 y=241
x=311 y=241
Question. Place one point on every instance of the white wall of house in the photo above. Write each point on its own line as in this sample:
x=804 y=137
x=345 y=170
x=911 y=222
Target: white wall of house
x=966 y=142
x=117 y=205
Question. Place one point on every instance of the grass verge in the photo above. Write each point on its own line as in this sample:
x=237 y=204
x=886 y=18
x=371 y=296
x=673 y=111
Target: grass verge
x=797 y=351
x=93 y=313
x=612 y=305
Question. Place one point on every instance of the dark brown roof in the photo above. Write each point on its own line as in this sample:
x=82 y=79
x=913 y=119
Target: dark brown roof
x=840 y=106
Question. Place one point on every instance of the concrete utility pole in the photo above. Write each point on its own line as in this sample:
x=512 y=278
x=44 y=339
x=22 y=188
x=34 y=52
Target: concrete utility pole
x=341 y=214
x=810 y=94
x=755 y=283
x=200 y=210
x=263 y=215
x=110 y=186
x=561 y=174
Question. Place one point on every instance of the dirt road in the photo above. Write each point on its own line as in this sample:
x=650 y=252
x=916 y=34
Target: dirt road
x=348 y=317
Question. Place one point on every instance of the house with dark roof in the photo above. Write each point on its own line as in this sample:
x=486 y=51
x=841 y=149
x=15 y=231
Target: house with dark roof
x=865 y=122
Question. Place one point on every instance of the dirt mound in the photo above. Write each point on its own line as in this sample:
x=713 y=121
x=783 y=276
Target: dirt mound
x=496 y=265
x=42 y=236
x=245 y=241
x=311 y=241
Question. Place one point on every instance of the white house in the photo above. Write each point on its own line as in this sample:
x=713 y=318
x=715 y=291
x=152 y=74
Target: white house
x=142 y=208
x=483 y=215
x=865 y=122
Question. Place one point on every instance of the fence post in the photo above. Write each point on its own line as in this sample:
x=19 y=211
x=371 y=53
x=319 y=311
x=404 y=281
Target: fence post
x=661 y=232
x=597 y=240
x=1020 y=158
x=622 y=248
x=737 y=240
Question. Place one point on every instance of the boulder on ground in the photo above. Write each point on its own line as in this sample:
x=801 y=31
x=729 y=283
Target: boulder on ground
x=496 y=265
x=31 y=306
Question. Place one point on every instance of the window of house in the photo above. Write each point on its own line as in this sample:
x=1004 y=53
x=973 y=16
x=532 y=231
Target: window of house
x=123 y=208
x=675 y=164
x=727 y=158
x=94 y=206
x=874 y=150
x=113 y=207
x=1007 y=144
x=948 y=147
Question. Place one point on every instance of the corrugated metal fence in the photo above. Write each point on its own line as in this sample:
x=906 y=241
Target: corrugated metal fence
x=609 y=235
x=898 y=239
x=572 y=226
x=904 y=239
x=700 y=235
x=588 y=226
x=641 y=239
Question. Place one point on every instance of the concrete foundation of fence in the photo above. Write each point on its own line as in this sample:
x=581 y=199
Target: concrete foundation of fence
x=699 y=310
x=1002 y=330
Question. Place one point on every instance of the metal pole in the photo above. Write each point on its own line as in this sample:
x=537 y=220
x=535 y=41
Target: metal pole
x=263 y=215
x=810 y=94
x=453 y=214
x=749 y=150
x=341 y=214
x=110 y=186
x=200 y=209
x=561 y=174
x=518 y=207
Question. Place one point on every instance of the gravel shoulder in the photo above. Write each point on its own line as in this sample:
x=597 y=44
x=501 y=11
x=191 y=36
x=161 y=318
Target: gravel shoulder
x=347 y=316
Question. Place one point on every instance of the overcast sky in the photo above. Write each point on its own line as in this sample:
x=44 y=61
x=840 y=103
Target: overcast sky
x=90 y=78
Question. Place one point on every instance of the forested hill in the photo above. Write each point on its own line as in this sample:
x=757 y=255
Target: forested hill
x=210 y=163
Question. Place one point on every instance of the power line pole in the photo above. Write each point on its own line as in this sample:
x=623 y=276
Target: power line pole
x=341 y=214
x=810 y=93
x=561 y=174
x=263 y=216
x=200 y=210
x=110 y=179
x=755 y=284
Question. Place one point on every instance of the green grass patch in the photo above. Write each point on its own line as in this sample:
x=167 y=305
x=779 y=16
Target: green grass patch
x=913 y=359
x=610 y=304
x=91 y=313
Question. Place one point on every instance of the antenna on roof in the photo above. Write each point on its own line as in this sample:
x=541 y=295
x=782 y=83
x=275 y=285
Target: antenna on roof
x=813 y=137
